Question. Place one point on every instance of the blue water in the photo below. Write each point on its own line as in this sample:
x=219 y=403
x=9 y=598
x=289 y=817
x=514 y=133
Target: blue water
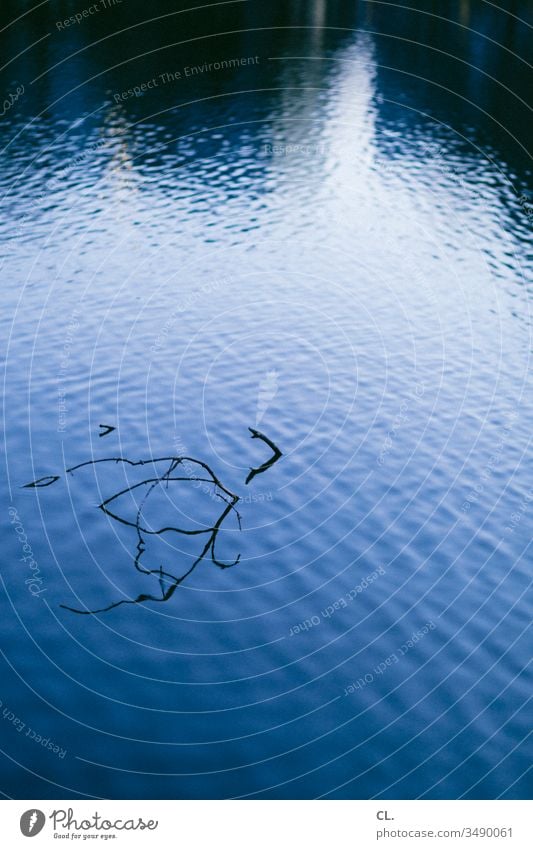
x=330 y=243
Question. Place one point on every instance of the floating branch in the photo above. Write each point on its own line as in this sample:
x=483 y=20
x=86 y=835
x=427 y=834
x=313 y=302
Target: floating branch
x=164 y=578
x=46 y=481
x=270 y=462
x=177 y=469
x=106 y=429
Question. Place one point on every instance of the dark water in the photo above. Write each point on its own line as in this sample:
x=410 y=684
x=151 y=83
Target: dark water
x=327 y=240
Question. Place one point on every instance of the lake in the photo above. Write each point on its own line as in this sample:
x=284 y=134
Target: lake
x=311 y=220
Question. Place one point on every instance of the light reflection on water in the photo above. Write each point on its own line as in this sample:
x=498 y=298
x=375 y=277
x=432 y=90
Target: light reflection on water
x=332 y=240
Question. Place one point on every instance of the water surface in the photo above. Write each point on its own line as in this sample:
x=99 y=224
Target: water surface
x=326 y=238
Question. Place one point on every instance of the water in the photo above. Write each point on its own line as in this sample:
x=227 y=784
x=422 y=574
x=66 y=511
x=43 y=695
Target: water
x=330 y=243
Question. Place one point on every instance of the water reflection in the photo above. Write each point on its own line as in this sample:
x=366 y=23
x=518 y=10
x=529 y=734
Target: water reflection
x=333 y=243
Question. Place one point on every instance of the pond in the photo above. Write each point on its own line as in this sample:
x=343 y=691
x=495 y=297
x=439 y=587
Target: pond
x=311 y=220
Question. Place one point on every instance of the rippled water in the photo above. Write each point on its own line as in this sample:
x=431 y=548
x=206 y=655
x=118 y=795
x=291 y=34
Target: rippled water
x=329 y=243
